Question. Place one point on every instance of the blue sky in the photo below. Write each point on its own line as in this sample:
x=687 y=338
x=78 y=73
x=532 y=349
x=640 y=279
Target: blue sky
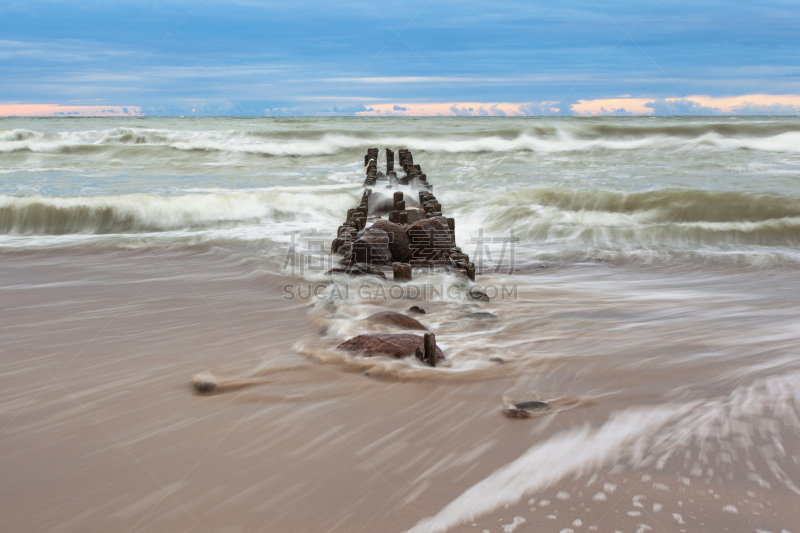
x=256 y=58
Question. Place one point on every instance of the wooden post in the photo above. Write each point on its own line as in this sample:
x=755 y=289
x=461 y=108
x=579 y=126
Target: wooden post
x=401 y=272
x=471 y=271
x=430 y=348
x=403 y=217
x=400 y=206
x=398 y=197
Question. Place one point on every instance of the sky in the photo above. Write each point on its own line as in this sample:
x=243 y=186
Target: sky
x=430 y=57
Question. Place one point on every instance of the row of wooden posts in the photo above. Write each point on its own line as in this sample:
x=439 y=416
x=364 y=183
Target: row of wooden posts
x=448 y=255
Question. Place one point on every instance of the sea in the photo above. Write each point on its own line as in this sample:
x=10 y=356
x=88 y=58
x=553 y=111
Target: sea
x=643 y=279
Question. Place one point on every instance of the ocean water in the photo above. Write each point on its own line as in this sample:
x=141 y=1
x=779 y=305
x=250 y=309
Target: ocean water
x=649 y=267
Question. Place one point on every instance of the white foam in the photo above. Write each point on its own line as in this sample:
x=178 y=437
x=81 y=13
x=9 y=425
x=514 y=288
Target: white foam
x=627 y=436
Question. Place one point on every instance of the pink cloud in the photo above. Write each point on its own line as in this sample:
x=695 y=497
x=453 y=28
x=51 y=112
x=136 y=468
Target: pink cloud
x=57 y=110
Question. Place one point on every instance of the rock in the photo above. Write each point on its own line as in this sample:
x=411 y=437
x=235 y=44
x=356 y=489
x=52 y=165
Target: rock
x=532 y=405
x=372 y=247
x=415 y=214
x=475 y=294
x=498 y=360
x=205 y=382
x=357 y=270
x=416 y=309
x=428 y=238
x=517 y=413
x=481 y=316
x=396 y=319
x=399 y=245
x=395 y=345
x=380 y=204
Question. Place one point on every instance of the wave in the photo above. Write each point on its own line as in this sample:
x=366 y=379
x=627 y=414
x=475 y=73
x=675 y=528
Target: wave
x=565 y=137
x=139 y=213
x=755 y=417
x=662 y=217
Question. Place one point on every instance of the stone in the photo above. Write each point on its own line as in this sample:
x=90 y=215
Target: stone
x=429 y=239
x=481 y=316
x=475 y=294
x=517 y=413
x=357 y=270
x=415 y=214
x=532 y=405
x=416 y=309
x=396 y=345
x=205 y=382
x=498 y=360
x=399 y=245
x=372 y=247
x=400 y=320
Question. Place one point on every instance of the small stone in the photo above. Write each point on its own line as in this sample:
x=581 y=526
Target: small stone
x=205 y=382
x=417 y=309
x=532 y=405
x=498 y=360
x=475 y=294
x=481 y=316
x=517 y=413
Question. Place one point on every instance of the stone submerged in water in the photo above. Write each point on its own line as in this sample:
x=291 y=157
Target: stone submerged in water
x=396 y=319
x=371 y=248
x=480 y=316
x=532 y=405
x=417 y=309
x=399 y=245
x=429 y=238
x=357 y=270
x=394 y=345
x=517 y=413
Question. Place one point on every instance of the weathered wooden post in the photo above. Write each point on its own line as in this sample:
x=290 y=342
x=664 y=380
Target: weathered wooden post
x=430 y=348
x=401 y=272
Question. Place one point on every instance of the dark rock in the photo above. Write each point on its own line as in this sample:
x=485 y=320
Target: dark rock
x=481 y=316
x=394 y=345
x=498 y=360
x=372 y=247
x=381 y=204
x=475 y=294
x=517 y=413
x=429 y=239
x=357 y=270
x=399 y=245
x=415 y=214
x=532 y=405
x=416 y=309
x=396 y=319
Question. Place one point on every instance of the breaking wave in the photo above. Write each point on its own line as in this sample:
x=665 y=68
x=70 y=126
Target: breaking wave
x=137 y=213
x=667 y=216
x=566 y=136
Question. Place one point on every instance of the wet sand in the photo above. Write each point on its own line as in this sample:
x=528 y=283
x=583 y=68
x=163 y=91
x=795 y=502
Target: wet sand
x=102 y=432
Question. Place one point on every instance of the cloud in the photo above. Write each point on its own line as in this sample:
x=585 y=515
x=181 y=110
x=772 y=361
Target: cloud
x=681 y=106
x=399 y=108
x=750 y=108
x=49 y=110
